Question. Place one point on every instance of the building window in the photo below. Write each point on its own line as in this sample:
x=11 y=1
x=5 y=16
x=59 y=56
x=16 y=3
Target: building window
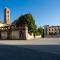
x=8 y=15
x=7 y=11
x=8 y=19
x=55 y=33
x=52 y=29
x=55 y=29
x=49 y=29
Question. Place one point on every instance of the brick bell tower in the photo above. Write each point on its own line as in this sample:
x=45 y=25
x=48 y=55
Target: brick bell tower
x=7 y=16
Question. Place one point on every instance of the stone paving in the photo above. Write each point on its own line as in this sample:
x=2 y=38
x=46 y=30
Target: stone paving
x=37 y=49
x=41 y=41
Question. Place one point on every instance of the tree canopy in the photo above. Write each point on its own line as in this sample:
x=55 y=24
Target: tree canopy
x=41 y=31
x=26 y=19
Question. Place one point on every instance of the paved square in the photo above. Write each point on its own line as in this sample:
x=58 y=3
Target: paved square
x=37 y=49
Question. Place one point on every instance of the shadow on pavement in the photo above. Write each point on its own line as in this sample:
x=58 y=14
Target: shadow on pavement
x=14 y=52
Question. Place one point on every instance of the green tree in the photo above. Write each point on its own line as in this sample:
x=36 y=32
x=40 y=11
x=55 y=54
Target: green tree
x=28 y=20
x=41 y=31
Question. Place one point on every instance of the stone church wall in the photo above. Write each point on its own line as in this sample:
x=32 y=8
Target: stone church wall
x=21 y=34
x=3 y=35
x=15 y=34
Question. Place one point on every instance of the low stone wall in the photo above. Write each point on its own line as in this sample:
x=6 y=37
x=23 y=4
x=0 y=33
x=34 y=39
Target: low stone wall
x=4 y=35
x=12 y=34
x=30 y=36
x=38 y=36
x=15 y=34
x=51 y=36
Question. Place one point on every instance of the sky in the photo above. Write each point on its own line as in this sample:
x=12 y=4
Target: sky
x=45 y=12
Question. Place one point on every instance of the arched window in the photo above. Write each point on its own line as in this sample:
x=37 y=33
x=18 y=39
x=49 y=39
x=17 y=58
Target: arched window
x=7 y=11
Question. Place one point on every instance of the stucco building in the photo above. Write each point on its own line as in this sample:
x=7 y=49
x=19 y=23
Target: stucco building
x=51 y=31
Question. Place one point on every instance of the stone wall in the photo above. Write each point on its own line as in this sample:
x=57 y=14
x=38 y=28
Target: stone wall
x=30 y=36
x=3 y=35
x=38 y=36
x=20 y=34
x=15 y=34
